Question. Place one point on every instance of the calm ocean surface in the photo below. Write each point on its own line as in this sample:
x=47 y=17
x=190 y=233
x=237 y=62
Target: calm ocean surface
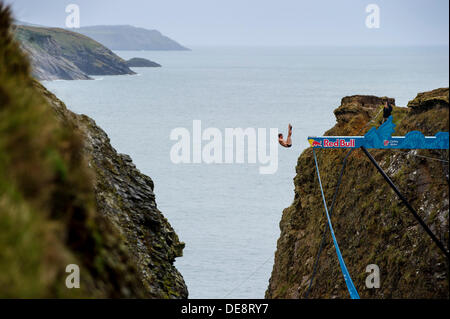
x=228 y=214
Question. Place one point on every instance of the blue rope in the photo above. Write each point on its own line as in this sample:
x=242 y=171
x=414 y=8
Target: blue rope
x=348 y=280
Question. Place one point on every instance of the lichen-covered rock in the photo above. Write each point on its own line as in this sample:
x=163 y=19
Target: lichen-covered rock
x=359 y=104
x=372 y=226
x=434 y=98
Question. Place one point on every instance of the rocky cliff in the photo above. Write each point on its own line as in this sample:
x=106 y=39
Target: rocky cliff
x=124 y=196
x=371 y=224
x=67 y=197
x=62 y=54
x=142 y=63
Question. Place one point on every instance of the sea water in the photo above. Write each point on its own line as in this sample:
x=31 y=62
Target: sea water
x=228 y=214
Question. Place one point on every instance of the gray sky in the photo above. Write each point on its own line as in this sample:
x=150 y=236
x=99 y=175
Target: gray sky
x=259 y=22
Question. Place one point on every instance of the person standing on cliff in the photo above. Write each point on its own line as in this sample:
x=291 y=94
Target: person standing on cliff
x=288 y=142
x=387 y=111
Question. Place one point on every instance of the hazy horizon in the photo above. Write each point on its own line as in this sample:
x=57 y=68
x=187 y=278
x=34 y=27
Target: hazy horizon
x=258 y=23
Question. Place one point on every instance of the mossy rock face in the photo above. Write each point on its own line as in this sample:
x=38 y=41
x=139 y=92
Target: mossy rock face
x=359 y=105
x=432 y=99
x=67 y=197
x=372 y=226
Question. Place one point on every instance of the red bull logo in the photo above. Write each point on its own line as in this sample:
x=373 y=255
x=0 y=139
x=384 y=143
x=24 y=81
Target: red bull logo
x=339 y=143
x=333 y=143
x=314 y=143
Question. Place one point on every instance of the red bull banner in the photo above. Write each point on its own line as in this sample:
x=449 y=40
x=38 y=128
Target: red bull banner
x=382 y=138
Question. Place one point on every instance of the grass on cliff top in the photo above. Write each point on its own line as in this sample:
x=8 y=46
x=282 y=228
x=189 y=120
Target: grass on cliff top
x=48 y=213
x=69 y=41
x=45 y=188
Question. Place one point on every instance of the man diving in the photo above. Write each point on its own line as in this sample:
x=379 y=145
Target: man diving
x=288 y=142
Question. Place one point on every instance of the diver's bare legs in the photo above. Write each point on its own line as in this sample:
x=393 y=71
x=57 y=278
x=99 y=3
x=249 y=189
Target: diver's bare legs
x=289 y=139
x=288 y=142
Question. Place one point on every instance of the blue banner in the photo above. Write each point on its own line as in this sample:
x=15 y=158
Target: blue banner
x=382 y=138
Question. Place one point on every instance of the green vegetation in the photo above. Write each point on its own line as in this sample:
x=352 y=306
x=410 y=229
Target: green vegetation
x=56 y=210
x=39 y=198
x=69 y=41
x=62 y=54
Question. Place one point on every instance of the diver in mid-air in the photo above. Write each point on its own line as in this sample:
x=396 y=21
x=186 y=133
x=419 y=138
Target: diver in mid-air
x=288 y=142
